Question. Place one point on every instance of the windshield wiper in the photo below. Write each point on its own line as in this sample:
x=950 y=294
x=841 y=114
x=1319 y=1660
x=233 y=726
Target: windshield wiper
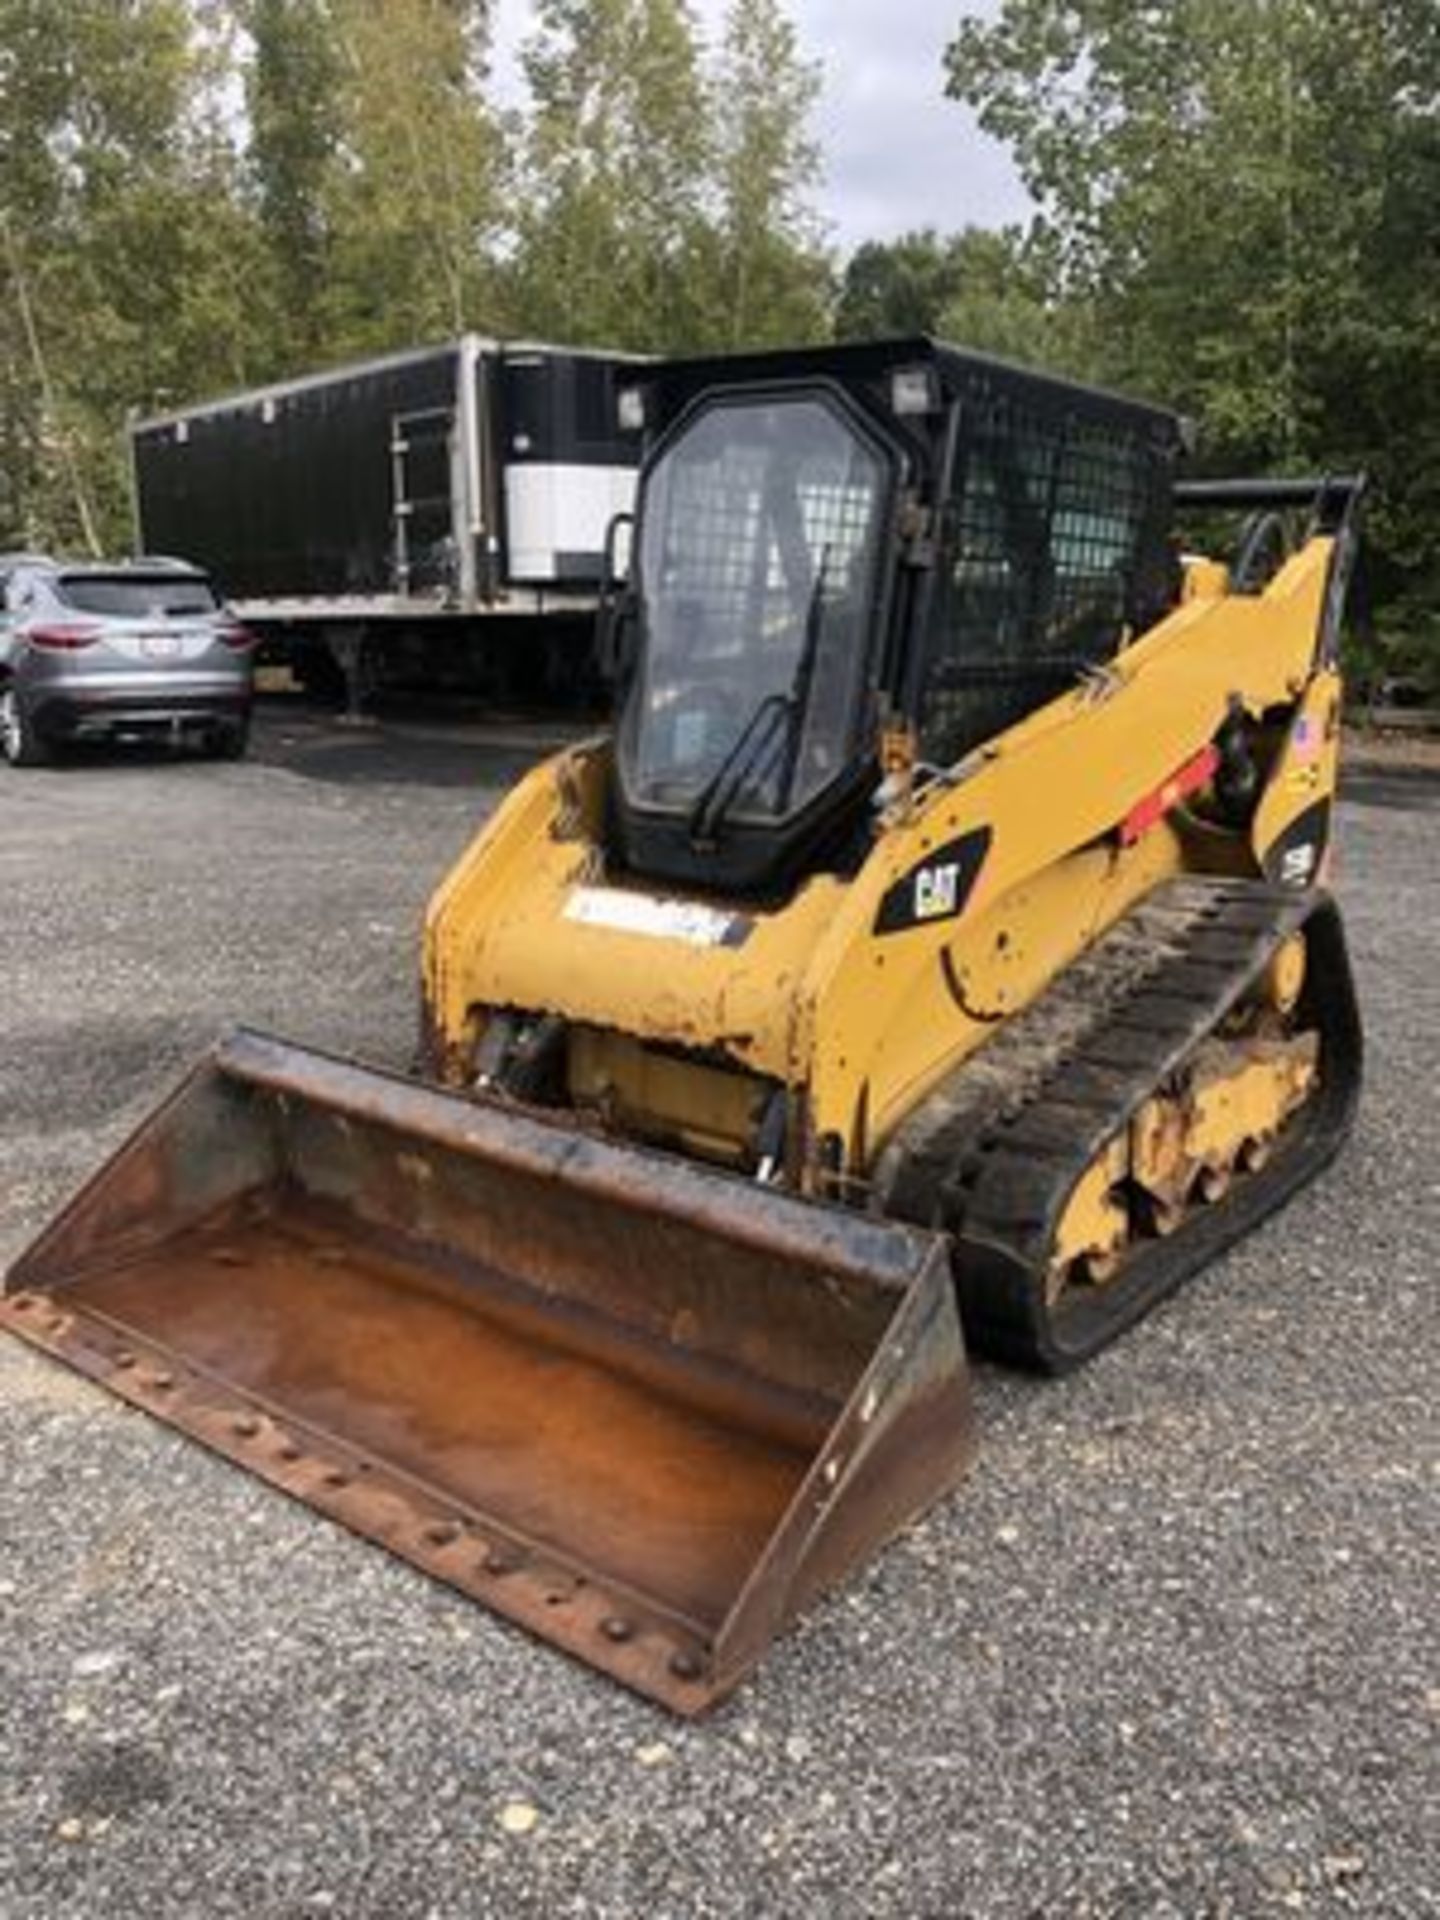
x=757 y=737
x=739 y=766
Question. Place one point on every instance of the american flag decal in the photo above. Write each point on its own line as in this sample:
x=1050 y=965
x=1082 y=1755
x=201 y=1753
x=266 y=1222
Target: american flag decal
x=1307 y=742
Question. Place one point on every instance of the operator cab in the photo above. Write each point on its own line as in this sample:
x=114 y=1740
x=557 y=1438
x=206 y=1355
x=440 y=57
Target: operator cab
x=838 y=543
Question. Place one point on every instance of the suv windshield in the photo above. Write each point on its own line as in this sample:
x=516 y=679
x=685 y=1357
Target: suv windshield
x=131 y=596
x=758 y=579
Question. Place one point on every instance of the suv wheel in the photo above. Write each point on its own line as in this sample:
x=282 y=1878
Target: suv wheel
x=21 y=745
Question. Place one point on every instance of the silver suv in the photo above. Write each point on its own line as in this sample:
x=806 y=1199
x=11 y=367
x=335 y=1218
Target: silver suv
x=142 y=648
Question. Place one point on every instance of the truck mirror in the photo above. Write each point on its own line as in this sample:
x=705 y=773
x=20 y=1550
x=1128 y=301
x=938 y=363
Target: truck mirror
x=615 y=619
x=619 y=544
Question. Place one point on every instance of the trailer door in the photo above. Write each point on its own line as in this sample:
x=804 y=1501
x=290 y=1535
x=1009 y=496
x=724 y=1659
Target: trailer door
x=422 y=465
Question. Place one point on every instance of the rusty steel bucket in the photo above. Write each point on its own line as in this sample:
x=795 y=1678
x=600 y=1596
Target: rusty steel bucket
x=644 y=1409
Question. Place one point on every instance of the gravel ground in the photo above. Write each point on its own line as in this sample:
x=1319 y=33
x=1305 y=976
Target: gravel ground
x=1170 y=1652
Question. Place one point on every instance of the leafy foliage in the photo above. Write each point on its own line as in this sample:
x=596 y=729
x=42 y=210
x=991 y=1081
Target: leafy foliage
x=292 y=94
x=415 y=195
x=197 y=195
x=124 y=249
x=991 y=291
x=1242 y=193
x=769 y=279
x=900 y=286
x=618 y=150
x=1237 y=213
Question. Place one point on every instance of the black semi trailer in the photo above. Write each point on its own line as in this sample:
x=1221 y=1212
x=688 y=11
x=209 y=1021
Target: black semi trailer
x=433 y=517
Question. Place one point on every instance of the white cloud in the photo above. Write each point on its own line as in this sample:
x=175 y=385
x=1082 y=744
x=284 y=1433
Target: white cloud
x=897 y=153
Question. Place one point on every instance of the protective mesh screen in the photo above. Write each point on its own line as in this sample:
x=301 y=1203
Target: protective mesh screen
x=758 y=564
x=713 y=564
x=1052 y=556
x=729 y=563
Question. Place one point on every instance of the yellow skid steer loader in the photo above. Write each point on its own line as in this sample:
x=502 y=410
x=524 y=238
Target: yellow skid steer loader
x=938 y=951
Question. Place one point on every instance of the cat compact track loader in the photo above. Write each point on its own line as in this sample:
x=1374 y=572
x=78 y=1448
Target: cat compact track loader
x=937 y=953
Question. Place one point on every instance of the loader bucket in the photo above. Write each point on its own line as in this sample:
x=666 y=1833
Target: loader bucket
x=646 y=1410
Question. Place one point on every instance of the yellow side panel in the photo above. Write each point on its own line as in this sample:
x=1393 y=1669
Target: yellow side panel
x=995 y=963
x=501 y=933
x=1059 y=782
x=1302 y=784
x=712 y=1113
x=515 y=848
x=811 y=993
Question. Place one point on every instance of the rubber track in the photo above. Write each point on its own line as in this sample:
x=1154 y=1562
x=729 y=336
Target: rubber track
x=994 y=1155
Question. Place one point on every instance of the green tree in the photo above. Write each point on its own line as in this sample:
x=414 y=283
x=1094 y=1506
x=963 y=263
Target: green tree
x=898 y=286
x=1005 y=301
x=415 y=198
x=1239 y=190
x=611 y=229
x=772 y=279
x=993 y=291
x=126 y=248
x=291 y=90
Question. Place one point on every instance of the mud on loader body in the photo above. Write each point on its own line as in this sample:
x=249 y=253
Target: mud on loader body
x=941 y=936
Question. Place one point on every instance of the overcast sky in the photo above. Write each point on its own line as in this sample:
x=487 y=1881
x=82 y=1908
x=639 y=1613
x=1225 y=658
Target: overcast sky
x=897 y=153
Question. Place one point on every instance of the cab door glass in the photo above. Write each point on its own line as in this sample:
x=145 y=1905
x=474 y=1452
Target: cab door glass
x=759 y=575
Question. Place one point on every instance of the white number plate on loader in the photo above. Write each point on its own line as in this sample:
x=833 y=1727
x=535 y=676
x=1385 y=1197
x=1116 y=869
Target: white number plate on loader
x=684 y=920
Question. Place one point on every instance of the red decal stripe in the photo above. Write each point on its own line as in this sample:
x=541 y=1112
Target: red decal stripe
x=1150 y=811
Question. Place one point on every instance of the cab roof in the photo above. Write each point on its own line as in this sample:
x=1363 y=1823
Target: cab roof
x=961 y=372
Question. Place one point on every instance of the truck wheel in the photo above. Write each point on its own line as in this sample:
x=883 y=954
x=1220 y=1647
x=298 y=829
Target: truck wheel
x=21 y=745
x=229 y=740
x=320 y=678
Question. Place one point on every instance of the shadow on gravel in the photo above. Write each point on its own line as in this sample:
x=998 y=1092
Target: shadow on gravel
x=129 y=756
x=114 y=1782
x=1406 y=789
x=380 y=760
x=489 y=753
x=430 y=744
x=88 y=1069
